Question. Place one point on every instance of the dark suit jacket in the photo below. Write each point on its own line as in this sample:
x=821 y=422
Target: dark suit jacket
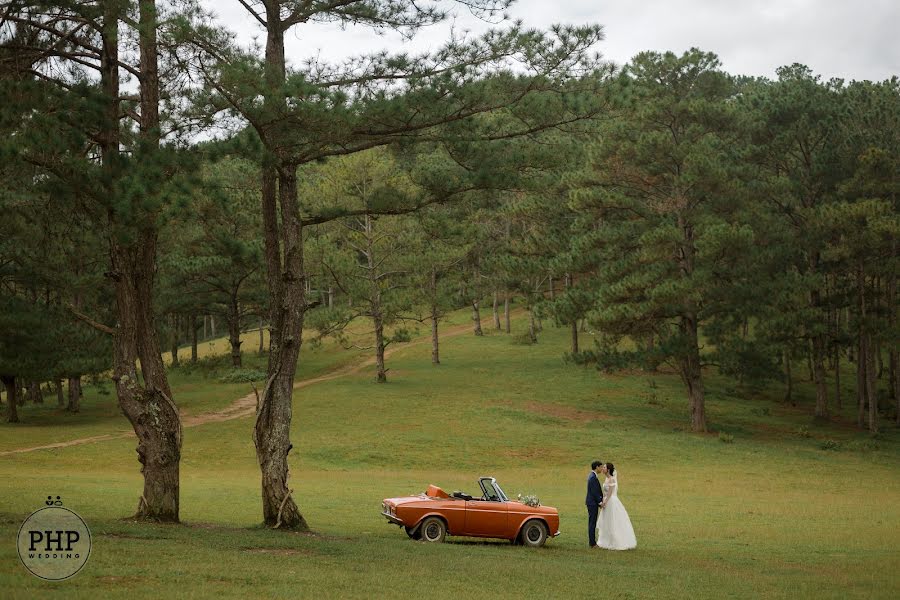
x=594 y=492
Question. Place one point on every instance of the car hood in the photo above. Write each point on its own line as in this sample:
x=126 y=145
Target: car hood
x=409 y=499
x=516 y=506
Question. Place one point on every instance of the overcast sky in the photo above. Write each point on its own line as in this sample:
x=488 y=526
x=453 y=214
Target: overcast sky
x=852 y=39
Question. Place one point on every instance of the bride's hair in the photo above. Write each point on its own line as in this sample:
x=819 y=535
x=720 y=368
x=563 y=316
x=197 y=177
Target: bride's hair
x=611 y=468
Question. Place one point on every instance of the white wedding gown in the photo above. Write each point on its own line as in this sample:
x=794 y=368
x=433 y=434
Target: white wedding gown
x=614 y=530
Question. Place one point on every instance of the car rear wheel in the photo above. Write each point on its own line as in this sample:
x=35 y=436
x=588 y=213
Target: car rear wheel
x=534 y=533
x=414 y=532
x=433 y=529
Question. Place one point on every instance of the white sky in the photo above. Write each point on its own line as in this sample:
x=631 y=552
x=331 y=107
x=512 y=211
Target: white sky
x=852 y=39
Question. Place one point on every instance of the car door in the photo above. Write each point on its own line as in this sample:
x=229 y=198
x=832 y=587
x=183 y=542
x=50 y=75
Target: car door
x=486 y=518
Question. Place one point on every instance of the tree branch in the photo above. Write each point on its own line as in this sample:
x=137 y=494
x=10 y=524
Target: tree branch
x=86 y=319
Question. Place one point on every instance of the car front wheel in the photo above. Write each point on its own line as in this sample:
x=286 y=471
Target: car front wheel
x=433 y=529
x=534 y=534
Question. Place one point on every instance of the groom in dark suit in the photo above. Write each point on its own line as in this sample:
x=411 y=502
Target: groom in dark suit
x=593 y=501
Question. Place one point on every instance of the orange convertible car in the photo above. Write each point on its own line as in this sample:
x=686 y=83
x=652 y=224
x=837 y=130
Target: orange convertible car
x=434 y=514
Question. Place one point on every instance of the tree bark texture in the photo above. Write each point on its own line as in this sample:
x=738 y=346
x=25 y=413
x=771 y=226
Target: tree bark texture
x=435 y=349
x=74 y=404
x=146 y=400
x=689 y=362
x=284 y=275
x=174 y=339
x=234 y=331
x=837 y=377
x=496 y=311
x=35 y=393
x=532 y=331
x=893 y=354
x=691 y=374
x=12 y=410
x=192 y=320
x=476 y=318
x=819 y=349
x=569 y=283
x=506 y=310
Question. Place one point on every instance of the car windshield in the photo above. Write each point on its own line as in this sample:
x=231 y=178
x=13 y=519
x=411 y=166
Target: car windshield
x=491 y=490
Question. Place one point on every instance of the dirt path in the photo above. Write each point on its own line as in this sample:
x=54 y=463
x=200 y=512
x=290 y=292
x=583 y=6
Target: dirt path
x=246 y=406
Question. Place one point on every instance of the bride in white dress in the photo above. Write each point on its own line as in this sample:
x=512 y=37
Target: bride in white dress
x=614 y=530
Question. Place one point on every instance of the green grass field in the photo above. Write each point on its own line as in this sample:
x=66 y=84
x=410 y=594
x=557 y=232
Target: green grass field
x=773 y=514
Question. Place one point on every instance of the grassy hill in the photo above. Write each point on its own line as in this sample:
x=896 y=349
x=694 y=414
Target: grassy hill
x=787 y=508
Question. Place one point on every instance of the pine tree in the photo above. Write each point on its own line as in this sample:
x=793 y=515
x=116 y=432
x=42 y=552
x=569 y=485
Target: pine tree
x=125 y=194
x=318 y=109
x=656 y=206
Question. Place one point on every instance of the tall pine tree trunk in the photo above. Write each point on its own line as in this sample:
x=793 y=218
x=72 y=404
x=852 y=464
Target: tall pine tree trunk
x=689 y=362
x=506 y=310
x=817 y=357
x=476 y=318
x=192 y=323
x=148 y=405
x=35 y=392
x=893 y=355
x=569 y=283
x=146 y=400
x=174 y=339
x=861 y=380
x=837 y=377
x=691 y=374
x=871 y=387
x=74 y=403
x=234 y=331
x=435 y=350
x=532 y=331
x=375 y=300
x=378 y=322
x=284 y=276
x=789 y=378
x=496 y=311
x=12 y=410
x=866 y=354
x=60 y=396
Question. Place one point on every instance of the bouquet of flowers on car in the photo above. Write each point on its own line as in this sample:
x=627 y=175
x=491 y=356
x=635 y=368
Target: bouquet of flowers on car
x=528 y=499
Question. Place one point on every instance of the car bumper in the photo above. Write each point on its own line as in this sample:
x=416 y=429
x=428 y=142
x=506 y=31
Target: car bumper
x=557 y=534
x=392 y=518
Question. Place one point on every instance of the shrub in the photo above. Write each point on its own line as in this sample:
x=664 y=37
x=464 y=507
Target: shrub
x=726 y=438
x=243 y=376
x=762 y=411
x=830 y=445
x=803 y=431
x=206 y=366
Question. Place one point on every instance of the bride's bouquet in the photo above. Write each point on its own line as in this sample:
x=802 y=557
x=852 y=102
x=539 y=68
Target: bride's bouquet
x=528 y=499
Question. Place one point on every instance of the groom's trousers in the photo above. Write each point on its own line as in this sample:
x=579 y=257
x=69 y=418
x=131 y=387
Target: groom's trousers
x=593 y=511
